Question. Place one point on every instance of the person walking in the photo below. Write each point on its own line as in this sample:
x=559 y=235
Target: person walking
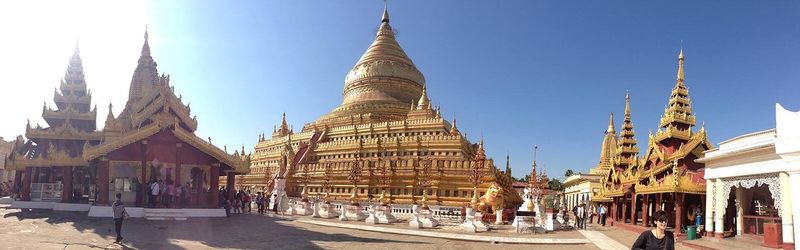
x=592 y=213
x=657 y=238
x=119 y=215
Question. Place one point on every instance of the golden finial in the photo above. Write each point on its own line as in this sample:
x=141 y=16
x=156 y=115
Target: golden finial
x=424 y=102
x=627 y=104
x=680 y=65
x=385 y=17
x=610 y=123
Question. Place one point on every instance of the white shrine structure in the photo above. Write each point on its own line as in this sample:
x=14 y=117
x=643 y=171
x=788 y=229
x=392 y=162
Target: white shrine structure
x=752 y=180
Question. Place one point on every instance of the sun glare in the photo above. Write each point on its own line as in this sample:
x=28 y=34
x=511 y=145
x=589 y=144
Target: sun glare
x=40 y=36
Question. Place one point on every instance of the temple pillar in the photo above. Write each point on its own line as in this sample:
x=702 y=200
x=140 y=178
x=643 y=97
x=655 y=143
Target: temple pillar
x=613 y=212
x=178 y=165
x=787 y=224
x=231 y=185
x=645 y=210
x=794 y=184
x=624 y=217
x=719 y=213
x=710 y=204
x=25 y=194
x=17 y=185
x=659 y=202
x=66 y=189
x=633 y=209
x=739 y=211
x=102 y=181
x=214 y=203
x=678 y=212
x=141 y=192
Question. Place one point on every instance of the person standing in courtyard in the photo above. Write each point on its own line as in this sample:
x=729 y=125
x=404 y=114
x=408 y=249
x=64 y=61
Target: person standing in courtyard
x=657 y=238
x=119 y=215
x=602 y=213
x=260 y=202
x=275 y=203
x=154 y=191
x=580 y=216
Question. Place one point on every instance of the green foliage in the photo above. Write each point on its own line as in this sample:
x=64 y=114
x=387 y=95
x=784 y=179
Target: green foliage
x=523 y=179
x=569 y=173
x=555 y=184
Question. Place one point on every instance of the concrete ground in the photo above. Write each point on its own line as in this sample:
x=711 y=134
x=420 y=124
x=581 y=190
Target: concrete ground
x=46 y=229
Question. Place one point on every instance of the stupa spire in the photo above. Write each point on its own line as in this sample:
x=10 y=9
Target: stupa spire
x=145 y=77
x=424 y=101
x=454 y=128
x=626 y=148
x=678 y=118
x=146 y=46
x=610 y=129
x=680 y=66
x=385 y=17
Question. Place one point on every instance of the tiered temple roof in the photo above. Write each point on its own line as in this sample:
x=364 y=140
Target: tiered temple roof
x=72 y=140
x=152 y=107
x=668 y=163
x=71 y=125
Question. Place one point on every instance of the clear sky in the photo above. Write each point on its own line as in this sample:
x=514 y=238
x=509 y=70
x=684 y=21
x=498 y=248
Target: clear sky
x=518 y=73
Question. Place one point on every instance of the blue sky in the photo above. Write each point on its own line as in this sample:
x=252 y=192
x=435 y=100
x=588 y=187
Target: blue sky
x=518 y=73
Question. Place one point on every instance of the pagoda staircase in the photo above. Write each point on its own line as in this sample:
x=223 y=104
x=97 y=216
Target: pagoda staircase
x=164 y=214
x=303 y=152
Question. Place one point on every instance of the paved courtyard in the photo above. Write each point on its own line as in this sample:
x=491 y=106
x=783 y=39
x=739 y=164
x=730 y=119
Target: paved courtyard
x=45 y=229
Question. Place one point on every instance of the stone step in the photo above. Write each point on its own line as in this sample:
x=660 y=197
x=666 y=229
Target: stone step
x=165 y=218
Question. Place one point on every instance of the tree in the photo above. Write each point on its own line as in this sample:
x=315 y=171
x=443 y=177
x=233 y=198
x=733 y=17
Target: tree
x=569 y=173
x=555 y=184
x=523 y=179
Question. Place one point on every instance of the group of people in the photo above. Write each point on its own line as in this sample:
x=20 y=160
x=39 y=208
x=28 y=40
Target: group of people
x=584 y=214
x=167 y=194
x=243 y=200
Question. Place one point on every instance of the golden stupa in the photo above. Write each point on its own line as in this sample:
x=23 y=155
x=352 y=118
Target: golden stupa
x=384 y=140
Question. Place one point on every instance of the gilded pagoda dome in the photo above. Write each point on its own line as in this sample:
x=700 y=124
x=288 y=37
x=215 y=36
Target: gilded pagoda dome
x=384 y=81
x=384 y=63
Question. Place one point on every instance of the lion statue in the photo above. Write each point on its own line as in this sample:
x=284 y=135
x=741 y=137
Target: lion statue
x=492 y=201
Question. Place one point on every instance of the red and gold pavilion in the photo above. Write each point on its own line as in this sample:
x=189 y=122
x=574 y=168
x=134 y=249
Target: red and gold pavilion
x=153 y=138
x=667 y=176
